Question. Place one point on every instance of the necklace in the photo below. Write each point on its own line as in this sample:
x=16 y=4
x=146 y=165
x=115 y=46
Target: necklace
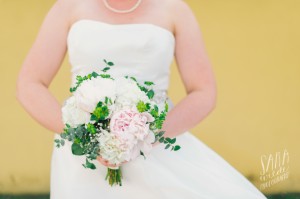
x=121 y=11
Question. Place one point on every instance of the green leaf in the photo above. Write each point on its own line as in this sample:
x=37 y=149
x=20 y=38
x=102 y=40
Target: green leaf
x=71 y=131
x=79 y=78
x=161 y=133
x=161 y=140
x=89 y=165
x=148 y=105
x=172 y=141
x=93 y=117
x=141 y=153
x=94 y=74
x=133 y=79
x=77 y=150
x=110 y=63
x=154 y=113
x=150 y=94
x=166 y=107
x=99 y=104
x=168 y=140
x=141 y=106
x=101 y=112
x=176 y=148
x=144 y=89
x=168 y=145
x=79 y=133
x=106 y=69
x=148 y=83
x=104 y=75
x=91 y=128
x=63 y=135
x=156 y=108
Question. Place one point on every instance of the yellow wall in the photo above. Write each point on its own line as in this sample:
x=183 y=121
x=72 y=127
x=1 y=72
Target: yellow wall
x=254 y=47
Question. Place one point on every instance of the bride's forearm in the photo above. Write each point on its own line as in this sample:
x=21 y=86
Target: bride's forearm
x=188 y=113
x=41 y=105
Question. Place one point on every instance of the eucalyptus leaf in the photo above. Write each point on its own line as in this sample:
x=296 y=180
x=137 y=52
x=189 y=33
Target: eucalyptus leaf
x=77 y=150
x=89 y=165
x=161 y=140
x=161 y=133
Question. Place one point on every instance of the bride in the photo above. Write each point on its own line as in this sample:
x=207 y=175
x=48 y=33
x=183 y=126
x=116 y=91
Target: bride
x=141 y=37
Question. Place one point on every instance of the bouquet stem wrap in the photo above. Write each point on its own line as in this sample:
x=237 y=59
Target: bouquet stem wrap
x=114 y=176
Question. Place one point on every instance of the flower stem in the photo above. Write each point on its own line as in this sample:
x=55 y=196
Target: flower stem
x=114 y=176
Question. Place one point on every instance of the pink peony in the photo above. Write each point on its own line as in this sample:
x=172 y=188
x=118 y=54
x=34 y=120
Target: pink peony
x=130 y=124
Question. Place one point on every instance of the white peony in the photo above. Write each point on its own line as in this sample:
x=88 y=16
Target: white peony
x=90 y=92
x=143 y=145
x=128 y=93
x=72 y=114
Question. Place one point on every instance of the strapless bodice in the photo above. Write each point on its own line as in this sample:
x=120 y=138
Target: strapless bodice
x=144 y=50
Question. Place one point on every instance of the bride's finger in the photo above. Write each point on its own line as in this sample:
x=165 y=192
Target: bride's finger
x=106 y=163
x=102 y=161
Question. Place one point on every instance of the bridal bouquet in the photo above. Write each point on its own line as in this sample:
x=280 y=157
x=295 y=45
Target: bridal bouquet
x=114 y=118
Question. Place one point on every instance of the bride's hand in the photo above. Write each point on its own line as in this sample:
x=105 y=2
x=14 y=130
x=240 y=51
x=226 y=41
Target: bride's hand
x=107 y=164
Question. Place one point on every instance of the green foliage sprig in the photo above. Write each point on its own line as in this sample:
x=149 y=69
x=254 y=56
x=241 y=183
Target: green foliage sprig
x=169 y=142
x=81 y=79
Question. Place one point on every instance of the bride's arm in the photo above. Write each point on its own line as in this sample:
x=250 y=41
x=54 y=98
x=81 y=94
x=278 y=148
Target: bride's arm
x=40 y=66
x=196 y=72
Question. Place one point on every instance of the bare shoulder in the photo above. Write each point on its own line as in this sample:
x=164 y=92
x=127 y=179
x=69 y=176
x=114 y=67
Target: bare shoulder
x=68 y=8
x=181 y=14
x=180 y=7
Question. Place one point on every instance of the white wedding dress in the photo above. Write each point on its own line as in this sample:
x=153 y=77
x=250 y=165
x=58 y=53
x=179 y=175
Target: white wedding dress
x=144 y=51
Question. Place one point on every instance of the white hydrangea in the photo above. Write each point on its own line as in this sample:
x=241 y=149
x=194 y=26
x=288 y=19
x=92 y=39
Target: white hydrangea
x=113 y=149
x=117 y=150
x=128 y=93
x=72 y=114
x=90 y=92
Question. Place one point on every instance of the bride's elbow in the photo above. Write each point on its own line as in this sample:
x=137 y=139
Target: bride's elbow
x=20 y=89
x=212 y=102
x=214 y=99
x=23 y=86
